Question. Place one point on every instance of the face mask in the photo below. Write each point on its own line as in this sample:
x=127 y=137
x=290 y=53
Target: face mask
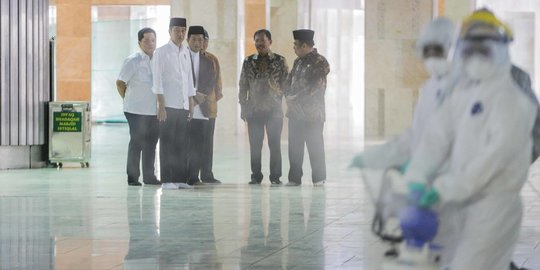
x=479 y=67
x=437 y=66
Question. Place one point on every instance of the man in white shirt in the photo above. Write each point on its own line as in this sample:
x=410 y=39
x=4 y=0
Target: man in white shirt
x=173 y=84
x=205 y=80
x=134 y=85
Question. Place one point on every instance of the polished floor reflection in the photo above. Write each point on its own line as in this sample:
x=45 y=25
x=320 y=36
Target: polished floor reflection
x=90 y=219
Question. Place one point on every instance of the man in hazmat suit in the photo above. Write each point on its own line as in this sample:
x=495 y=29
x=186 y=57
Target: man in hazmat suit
x=433 y=46
x=483 y=132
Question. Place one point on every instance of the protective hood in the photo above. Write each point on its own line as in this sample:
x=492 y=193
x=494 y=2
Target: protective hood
x=440 y=31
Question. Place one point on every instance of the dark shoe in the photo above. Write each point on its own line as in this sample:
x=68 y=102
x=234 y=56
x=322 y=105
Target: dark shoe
x=152 y=182
x=293 y=184
x=276 y=182
x=256 y=178
x=134 y=183
x=212 y=181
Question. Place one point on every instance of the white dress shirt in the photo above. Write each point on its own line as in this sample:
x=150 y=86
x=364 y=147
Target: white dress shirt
x=172 y=75
x=197 y=112
x=136 y=72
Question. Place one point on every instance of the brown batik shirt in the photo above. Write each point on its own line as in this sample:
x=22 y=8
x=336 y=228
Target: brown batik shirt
x=261 y=85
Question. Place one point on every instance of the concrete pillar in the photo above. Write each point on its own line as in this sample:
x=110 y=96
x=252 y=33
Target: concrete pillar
x=394 y=73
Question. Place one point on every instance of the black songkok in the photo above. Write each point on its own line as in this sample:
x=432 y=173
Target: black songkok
x=195 y=30
x=303 y=34
x=177 y=22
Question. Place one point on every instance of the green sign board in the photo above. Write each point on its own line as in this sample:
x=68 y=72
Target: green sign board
x=67 y=122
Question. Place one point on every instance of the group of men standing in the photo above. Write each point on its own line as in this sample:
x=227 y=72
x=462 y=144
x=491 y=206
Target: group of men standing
x=171 y=93
x=264 y=81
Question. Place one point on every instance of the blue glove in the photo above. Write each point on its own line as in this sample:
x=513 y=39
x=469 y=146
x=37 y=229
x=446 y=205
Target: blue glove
x=422 y=197
x=358 y=161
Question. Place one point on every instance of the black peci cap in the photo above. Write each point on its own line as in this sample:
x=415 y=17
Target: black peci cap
x=178 y=22
x=303 y=34
x=195 y=30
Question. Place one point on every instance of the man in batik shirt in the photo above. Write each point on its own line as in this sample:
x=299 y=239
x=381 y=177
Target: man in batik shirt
x=263 y=77
x=305 y=109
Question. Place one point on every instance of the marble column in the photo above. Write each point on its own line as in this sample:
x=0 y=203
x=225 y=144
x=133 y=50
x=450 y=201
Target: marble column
x=283 y=20
x=456 y=10
x=393 y=71
x=256 y=14
x=73 y=50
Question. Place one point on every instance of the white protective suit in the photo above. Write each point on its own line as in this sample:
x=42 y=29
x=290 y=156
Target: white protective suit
x=483 y=131
x=398 y=151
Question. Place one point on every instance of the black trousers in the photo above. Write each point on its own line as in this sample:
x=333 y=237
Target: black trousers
x=310 y=134
x=143 y=133
x=197 y=133
x=173 y=146
x=208 y=151
x=256 y=128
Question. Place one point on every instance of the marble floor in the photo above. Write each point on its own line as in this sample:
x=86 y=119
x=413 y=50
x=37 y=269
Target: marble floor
x=89 y=218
